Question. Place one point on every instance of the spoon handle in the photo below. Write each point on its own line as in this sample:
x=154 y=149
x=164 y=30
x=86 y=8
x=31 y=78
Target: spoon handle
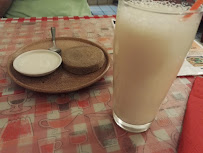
x=53 y=31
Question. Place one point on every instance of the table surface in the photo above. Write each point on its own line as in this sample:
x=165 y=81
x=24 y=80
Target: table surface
x=79 y=122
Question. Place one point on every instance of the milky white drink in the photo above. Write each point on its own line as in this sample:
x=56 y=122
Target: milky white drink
x=149 y=49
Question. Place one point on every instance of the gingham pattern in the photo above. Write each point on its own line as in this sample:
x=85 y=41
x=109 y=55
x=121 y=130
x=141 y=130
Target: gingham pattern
x=79 y=122
x=65 y=18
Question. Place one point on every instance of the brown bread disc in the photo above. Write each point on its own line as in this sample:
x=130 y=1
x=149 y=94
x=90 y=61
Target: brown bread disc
x=83 y=59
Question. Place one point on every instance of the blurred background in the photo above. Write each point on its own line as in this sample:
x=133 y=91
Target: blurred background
x=103 y=7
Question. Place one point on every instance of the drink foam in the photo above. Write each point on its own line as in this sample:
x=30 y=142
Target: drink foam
x=161 y=6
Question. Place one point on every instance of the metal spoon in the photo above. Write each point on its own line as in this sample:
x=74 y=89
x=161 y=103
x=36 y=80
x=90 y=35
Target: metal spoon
x=54 y=48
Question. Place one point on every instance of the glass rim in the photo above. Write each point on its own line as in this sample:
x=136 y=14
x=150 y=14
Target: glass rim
x=198 y=11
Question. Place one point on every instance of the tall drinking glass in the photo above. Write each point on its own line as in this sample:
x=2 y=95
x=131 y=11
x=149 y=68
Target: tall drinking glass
x=151 y=41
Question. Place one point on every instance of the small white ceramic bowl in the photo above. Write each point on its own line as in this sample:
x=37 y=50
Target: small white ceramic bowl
x=37 y=63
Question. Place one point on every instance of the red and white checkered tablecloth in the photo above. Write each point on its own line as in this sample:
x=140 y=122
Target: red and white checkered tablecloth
x=78 y=122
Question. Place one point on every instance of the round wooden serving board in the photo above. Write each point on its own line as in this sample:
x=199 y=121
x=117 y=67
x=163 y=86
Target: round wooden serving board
x=60 y=81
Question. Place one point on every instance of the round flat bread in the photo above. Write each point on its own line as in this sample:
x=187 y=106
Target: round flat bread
x=83 y=59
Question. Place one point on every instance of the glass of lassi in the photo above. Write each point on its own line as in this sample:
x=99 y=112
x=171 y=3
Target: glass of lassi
x=151 y=41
